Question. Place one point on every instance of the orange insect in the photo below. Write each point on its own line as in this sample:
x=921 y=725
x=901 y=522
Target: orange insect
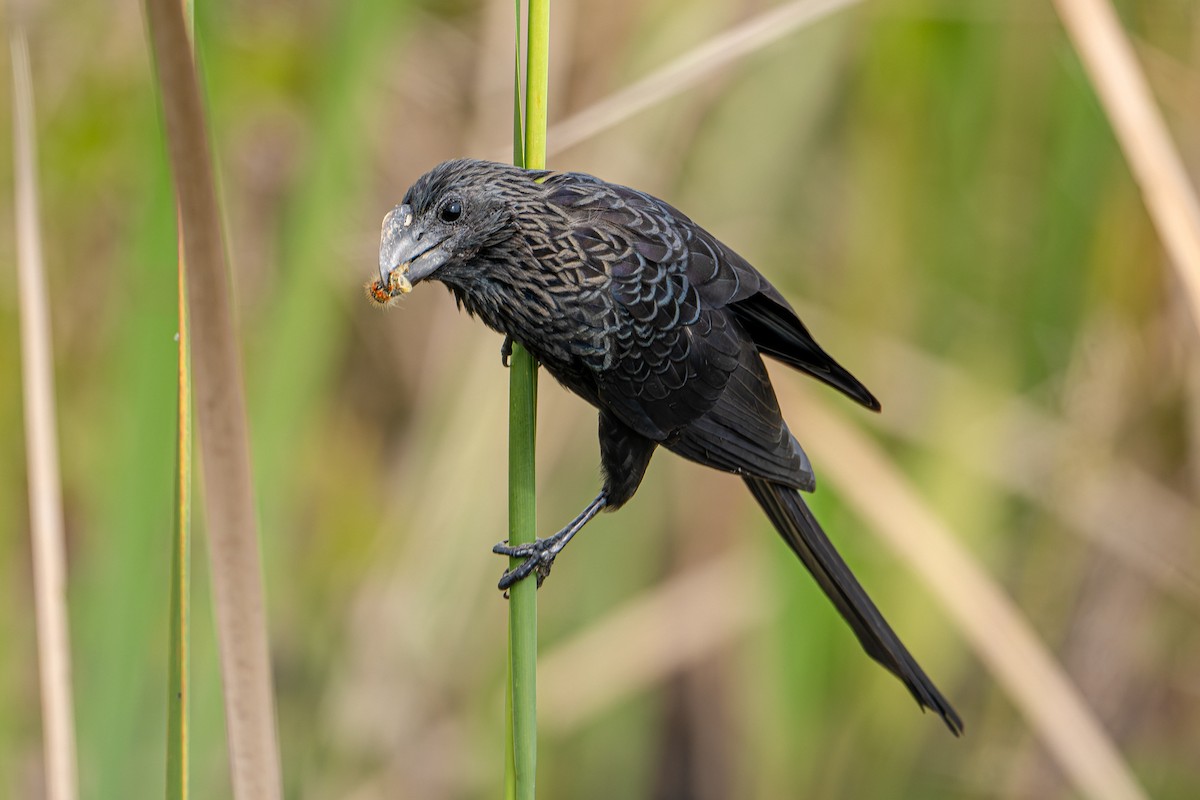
x=398 y=284
x=378 y=293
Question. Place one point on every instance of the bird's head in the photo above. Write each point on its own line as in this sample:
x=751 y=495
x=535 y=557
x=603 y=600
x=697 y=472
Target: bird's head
x=448 y=218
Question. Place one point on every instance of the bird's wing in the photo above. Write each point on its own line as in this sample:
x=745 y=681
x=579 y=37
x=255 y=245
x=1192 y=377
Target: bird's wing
x=683 y=371
x=725 y=279
x=779 y=333
x=667 y=359
x=744 y=431
x=721 y=278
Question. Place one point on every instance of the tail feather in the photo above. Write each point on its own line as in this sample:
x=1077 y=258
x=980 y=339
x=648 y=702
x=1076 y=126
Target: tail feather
x=799 y=528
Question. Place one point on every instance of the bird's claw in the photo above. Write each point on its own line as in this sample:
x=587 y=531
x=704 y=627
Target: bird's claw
x=539 y=557
x=506 y=350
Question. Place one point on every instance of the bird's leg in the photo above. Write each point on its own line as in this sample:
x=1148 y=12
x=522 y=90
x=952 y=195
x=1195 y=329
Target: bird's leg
x=506 y=350
x=539 y=554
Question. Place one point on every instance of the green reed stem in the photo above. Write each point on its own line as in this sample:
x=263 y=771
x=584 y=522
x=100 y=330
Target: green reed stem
x=181 y=551
x=521 y=706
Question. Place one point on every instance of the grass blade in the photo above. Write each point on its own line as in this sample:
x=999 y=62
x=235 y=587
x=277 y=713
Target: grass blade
x=181 y=568
x=41 y=441
x=997 y=630
x=692 y=68
x=178 y=698
x=706 y=608
x=221 y=417
x=1108 y=57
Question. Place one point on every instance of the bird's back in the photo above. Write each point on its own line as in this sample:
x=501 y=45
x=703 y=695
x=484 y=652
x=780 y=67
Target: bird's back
x=683 y=324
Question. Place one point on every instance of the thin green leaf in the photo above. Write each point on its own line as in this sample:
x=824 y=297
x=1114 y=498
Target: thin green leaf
x=181 y=550
x=180 y=606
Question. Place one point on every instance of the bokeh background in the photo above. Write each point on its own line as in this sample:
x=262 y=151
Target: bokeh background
x=932 y=181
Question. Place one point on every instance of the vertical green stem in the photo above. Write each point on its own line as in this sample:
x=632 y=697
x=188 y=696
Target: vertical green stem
x=537 y=83
x=522 y=608
x=181 y=559
x=177 y=682
x=521 y=708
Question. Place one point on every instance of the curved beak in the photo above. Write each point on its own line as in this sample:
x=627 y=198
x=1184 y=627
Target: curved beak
x=407 y=254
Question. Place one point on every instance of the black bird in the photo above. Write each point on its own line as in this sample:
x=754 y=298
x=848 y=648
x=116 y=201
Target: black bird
x=645 y=315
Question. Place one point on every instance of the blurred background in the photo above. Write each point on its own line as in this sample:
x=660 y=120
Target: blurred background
x=931 y=181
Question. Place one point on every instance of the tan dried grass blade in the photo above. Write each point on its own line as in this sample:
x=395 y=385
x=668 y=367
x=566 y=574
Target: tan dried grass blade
x=690 y=69
x=704 y=609
x=41 y=442
x=1120 y=507
x=221 y=422
x=994 y=626
x=1109 y=59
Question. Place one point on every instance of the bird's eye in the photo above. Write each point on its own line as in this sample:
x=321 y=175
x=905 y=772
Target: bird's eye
x=451 y=211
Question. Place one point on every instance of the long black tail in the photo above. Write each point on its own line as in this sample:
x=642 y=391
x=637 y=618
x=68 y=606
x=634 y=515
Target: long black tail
x=799 y=528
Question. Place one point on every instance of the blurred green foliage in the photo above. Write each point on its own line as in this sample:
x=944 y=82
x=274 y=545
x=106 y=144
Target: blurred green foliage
x=937 y=174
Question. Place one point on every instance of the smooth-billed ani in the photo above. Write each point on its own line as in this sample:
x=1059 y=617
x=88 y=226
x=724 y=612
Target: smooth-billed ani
x=645 y=315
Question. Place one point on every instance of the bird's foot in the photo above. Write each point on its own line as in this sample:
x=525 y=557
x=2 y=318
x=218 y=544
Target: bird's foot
x=506 y=350
x=539 y=554
x=539 y=557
